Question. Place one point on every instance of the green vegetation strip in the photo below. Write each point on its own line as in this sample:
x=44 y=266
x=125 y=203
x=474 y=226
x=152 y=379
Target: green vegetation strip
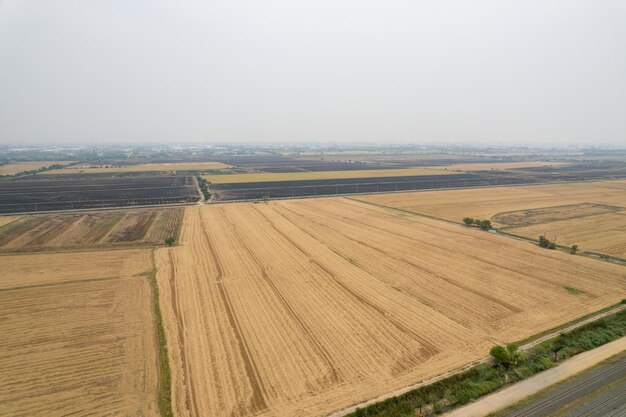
x=204 y=187
x=485 y=378
x=165 y=378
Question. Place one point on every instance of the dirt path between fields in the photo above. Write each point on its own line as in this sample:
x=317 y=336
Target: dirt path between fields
x=517 y=392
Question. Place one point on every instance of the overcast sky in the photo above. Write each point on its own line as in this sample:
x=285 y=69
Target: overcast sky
x=148 y=71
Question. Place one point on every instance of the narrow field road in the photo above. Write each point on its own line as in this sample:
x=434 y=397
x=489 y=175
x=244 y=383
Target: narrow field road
x=517 y=392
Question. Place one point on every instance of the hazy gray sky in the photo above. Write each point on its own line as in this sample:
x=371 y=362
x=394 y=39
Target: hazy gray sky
x=143 y=71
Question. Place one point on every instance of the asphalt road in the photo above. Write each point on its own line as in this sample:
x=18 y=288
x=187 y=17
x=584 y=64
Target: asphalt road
x=604 y=405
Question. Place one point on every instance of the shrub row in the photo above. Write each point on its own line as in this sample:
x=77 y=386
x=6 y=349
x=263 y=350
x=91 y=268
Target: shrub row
x=204 y=184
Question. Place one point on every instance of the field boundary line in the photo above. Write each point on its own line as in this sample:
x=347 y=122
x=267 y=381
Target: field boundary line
x=502 y=232
x=164 y=380
x=26 y=213
x=56 y=284
x=581 y=321
x=129 y=247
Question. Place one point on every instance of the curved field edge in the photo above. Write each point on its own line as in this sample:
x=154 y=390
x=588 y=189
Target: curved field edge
x=484 y=378
x=165 y=379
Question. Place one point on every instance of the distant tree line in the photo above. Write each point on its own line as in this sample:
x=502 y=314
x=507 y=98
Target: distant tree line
x=42 y=169
x=204 y=187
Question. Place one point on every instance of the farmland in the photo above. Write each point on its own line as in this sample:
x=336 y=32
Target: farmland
x=304 y=188
x=603 y=233
x=95 y=229
x=304 y=307
x=42 y=194
x=281 y=164
x=395 y=173
x=16 y=168
x=150 y=167
x=501 y=165
x=77 y=335
x=7 y=219
x=589 y=214
x=318 y=175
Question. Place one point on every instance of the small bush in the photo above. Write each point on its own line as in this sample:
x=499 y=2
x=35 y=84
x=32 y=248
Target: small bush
x=468 y=221
x=545 y=243
x=573 y=249
x=485 y=224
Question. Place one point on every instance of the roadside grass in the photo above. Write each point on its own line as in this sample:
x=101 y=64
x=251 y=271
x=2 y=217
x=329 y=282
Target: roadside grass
x=165 y=377
x=483 y=379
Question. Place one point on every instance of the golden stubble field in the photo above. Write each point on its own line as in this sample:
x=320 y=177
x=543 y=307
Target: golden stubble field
x=155 y=167
x=304 y=307
x=589 y=214
x=17 y=167
x=78 y=335
x=321 y=175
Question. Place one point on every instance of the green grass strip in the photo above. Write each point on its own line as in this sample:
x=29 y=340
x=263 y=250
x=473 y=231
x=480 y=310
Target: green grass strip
x=165 y=378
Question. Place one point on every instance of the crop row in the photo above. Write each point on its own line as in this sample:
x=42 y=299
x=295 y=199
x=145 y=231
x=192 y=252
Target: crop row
x=36 y=196
x=287 y=189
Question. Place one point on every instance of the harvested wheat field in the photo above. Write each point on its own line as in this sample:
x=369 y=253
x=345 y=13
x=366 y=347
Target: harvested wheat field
x=77 y=335
x=321 y=175
x=304 y=307
x=155 y=167
x=91 y=229
x=7 y=219
x=17 y=167
x=492 y=166
x=588 y=214
x=603 y=233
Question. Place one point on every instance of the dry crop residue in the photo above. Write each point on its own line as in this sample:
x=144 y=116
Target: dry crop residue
x=588 y=214
x=304 y=307
x=488 y=166
x=91 y=229
x=155 y=167
x=16 y=168
x=77 y=335
x=320 y=175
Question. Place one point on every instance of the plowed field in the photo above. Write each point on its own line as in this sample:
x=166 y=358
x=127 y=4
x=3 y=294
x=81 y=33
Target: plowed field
x=303 y=307
x=77 y=335
x=90 y=229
